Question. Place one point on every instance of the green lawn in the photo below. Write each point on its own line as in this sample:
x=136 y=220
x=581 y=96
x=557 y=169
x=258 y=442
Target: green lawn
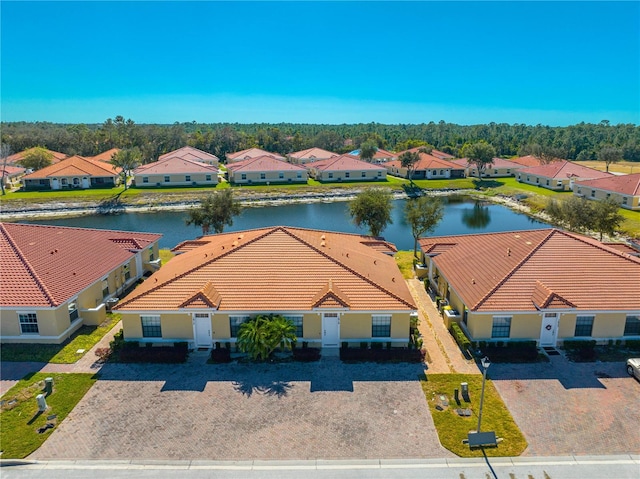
x=404 y=259
x=85 y=338
x=21 y=420
x=76 y=195
x=452 y=184
x=452 y=428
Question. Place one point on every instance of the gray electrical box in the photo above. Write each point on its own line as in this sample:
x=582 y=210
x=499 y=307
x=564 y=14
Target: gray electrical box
x=42 y=403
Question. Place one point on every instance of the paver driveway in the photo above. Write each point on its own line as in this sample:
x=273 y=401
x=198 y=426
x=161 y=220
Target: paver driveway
x=572 y=408
x=324 y=410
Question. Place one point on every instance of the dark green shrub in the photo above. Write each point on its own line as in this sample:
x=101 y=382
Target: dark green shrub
x=345 y=345
x=376 y=345
x=364 y=345
x=460 y=337
x=633 y=344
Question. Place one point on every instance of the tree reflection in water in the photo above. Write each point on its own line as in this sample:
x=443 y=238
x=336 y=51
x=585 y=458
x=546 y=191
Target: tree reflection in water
x=477 y=217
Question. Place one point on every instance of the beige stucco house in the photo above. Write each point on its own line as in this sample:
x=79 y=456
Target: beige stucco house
x=545 y=285
x=56 y=279
x=265 y=170
x=310 y=155
x=499 y=168
x=345 y=168
x=176 y=170
x=335 y=287
x=73 y=172
x=250 y=153
x=428 y=167
x=624 y=189
x=558 y=175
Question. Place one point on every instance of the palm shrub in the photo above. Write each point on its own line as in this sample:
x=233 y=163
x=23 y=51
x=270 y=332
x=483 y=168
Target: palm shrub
x=261 y=336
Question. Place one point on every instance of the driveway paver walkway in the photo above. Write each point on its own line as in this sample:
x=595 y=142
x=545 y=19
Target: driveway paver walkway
x=324 y=410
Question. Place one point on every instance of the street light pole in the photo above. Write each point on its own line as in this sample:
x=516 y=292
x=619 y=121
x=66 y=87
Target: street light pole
x=485 y=365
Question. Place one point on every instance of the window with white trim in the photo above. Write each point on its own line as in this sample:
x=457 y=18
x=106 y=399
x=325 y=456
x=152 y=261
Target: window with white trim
x=297 y=322
x=584 y=326
x=624 y=200
x=73 y=309
x=151 y=254
x=187 y=177
x=145 y=179
x=207 y=177
x=151 y=327
x=347 y=174
x=243 y=176
x=263 y=176
x=280 y=175
x=28 y=323
x=330 y=175
x=126 y=269
x=501 y=327
x=364 y=174
x=105 y=288
x=234 y=324
x=167 y=179
x=381 y=326
x=632 y=325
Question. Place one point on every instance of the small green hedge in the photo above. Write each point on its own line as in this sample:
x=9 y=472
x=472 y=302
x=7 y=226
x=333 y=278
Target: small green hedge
x=460 y=337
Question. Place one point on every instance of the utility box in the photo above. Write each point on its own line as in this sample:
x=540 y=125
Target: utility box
x=464 y=391
x=42 y=403
x=48 y=385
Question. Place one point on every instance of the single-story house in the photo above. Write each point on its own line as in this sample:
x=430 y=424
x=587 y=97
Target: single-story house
x=546 y=285
x=346 y=168
x=499 y=168
x=381 y=155
x=558 y=175
x=528 y=160
x=11 y=174
x=194 y=154
x=175 y=171
x=16 y=158
x=335 y=287
x=55 y=279
x=428 y=167
x=73 y=172
x=625 y=189
x=310 y=155
x=265 y=170
x=251 y=153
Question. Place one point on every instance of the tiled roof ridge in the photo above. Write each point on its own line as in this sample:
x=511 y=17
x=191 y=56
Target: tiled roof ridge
x=351 y=270
x=84 y=229
x=199 y=266
x=513 y=270
x=27 y=265
x=599 y=245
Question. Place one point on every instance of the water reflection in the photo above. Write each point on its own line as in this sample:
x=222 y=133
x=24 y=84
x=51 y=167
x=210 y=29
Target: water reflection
x=477 y=217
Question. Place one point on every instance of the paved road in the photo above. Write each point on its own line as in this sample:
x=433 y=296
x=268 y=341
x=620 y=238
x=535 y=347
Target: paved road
x=585 y=467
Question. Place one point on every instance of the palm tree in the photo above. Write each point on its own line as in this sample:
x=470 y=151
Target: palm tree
x=282 y=331
x=252 y=338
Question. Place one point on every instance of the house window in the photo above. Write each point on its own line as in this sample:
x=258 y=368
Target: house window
x=347 y=174
x=187 y=177
x=299 y=175
x=28 y=323
x=243 y=176
x=584 y=326
x=608 y=195
x=151 y=255
x=105 y=288
x=167 y=179
x=381 y=326
x=501 y=327
x=330 y=175
x=593 y=193
x=559 y=183
x=151 y=326
x=495 y=172
x=64 y=182
x=297 y=322
x=624 y=200
x=508 y=172
x=207 y=177
x=234 y=324
x=263 y=176
x=441 y=172
x=632 y=326
x=528 y=178
x=364 y=174
x=379 y=174
x=73 y=309
x=547 y=182
x=145 y=179
x=537 y=181
x=126 y=269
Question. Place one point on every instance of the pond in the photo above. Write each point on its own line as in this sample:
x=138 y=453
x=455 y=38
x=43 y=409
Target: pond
x=461 y=217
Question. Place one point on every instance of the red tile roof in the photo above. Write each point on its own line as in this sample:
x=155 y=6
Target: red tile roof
x=44 y=266
x=623 y=184
x=497 y=163
x=437 y=153
x=175 y=165
x=524 y=270
x=565 y=169
x=427 y=162
x=343 y=163
x=264 y=163
x=105 y=155
x=15 y=158
x=528 y=160
x=190 y=153
x=75 y=166
x=276 y=269
x=251 y=153
x=12 y=170
x=312 y=154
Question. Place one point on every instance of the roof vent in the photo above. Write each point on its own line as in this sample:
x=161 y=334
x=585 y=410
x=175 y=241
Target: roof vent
x=473 y=281
x=323 y=244
x=508 y=251
x=235 y=243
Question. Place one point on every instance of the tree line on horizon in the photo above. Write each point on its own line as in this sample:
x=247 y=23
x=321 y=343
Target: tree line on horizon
x=582 y=141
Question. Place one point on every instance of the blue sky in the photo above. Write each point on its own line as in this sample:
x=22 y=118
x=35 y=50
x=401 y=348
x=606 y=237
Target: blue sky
x=554 y=63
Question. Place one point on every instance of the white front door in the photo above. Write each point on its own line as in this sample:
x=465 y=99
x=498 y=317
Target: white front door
x=549 y=330
x=202 y=330
x=330 y=330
